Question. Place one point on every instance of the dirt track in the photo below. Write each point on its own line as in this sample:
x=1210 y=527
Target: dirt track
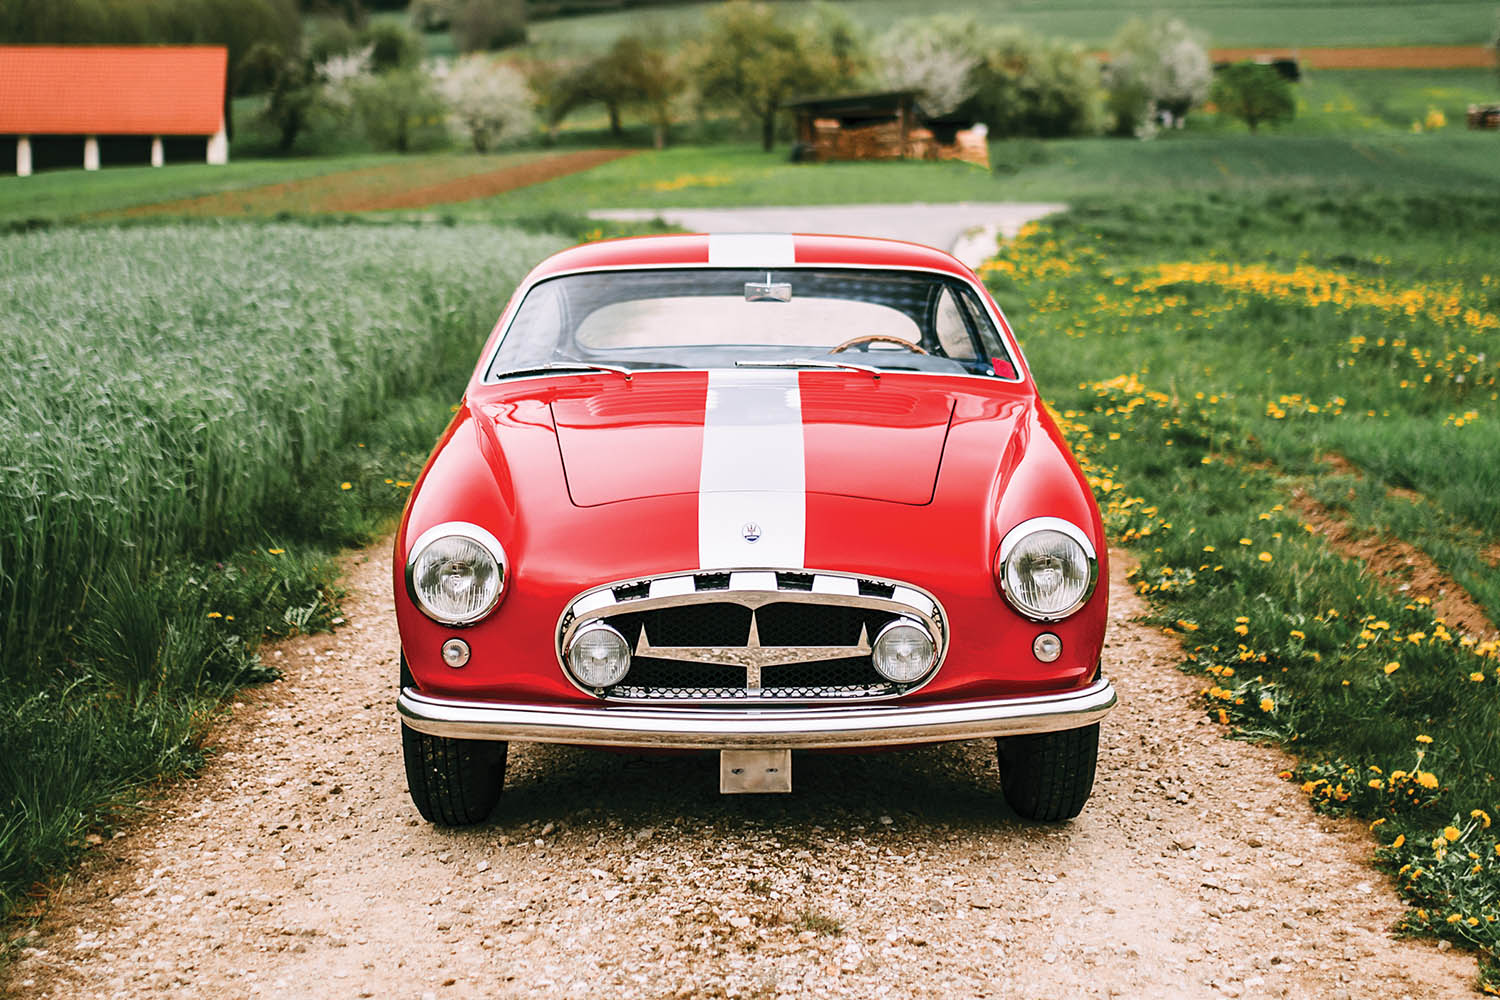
x=1372 y=57
x=296 y=867
x=374 y=189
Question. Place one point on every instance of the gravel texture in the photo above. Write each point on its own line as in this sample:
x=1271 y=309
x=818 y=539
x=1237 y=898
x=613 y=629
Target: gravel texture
x=295 y=866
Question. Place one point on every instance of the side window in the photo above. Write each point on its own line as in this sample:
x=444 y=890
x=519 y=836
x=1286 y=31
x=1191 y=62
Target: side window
x=952 y=332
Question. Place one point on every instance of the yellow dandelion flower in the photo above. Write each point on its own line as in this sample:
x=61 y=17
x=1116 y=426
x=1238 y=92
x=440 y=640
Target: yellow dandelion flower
x=1399 y=841
x=1452 y=833
x=1243 y=620
x=1477 y=677
x=1267 y=705
x=277 y=552
x=1482 y=816
x=346 y=486
x=1297 y=633
x=1242 y=629
x=1208 y=548
x=1246 y=541
x=1264 y=557
x=215 y=614
x=1454 y=918
x=1427 y=779
x=1424 y=738
x=1392 y=667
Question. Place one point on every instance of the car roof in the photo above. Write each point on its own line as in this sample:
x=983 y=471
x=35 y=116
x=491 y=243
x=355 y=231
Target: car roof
x=773 y=250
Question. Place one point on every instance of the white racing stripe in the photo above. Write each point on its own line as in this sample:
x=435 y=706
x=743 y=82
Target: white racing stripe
x=751 y=250
x=753 y=481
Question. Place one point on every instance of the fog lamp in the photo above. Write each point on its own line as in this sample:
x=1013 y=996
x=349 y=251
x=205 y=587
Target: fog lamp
x=598 y=656
x=903 y=651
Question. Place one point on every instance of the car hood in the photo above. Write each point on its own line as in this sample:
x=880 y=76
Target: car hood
x=836 y=433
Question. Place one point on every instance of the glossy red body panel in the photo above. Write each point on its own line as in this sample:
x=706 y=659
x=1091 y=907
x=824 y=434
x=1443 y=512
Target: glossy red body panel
x=912 y=477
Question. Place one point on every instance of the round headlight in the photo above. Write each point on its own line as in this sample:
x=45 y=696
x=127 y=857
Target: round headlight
x=1046 y=568
x=598 y=655
x=456 y=573
x=903 y=651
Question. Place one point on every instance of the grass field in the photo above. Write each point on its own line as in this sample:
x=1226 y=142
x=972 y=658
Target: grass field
x=190 y=422
x=1355 y=22
x=1253 y=383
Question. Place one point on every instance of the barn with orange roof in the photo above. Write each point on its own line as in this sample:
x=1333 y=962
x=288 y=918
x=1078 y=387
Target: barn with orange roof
x=103 y=105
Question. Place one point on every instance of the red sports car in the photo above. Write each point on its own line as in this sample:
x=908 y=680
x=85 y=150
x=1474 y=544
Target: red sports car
x=751 y=494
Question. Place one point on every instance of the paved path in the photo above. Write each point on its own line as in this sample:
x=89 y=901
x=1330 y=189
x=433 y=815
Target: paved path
x=966 y=228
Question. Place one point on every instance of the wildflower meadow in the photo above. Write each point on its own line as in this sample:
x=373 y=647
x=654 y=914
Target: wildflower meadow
x=1237 y=372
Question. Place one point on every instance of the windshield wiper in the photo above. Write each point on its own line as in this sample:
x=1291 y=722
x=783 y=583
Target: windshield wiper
x=566 y=366
x=810 y=363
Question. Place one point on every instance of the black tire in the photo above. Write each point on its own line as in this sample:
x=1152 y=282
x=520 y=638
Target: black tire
x=1048 y=776
x=452 y=782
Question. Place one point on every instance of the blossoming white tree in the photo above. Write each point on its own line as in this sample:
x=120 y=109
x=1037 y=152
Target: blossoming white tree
x=1157 y=68
x=935 y=56
x=490 y=101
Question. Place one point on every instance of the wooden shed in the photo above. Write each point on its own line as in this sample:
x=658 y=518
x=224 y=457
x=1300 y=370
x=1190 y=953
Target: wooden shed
x=63 y=105
x=889 y=125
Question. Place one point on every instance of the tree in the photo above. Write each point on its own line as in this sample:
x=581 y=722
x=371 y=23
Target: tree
x=750 y=58
x=634 y=72
x=1026 y=86
x=836 y=44
x=1155 y=65
x=295 y=91
x=489 y=100
x=1254 y=93
x=935 y=56
x=393 y=105
x=391 y=47
x=430 y=15
x=488 y=24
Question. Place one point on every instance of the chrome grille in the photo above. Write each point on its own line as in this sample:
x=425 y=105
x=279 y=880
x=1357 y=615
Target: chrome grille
x=752 y=635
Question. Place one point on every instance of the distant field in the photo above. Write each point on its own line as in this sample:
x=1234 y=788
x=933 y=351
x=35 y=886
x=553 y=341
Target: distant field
x=70 y=193
x=1227 y=23
x=1050 y=171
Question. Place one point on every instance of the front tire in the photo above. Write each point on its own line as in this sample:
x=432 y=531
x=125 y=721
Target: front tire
x=453 y=782
x=1048 y=776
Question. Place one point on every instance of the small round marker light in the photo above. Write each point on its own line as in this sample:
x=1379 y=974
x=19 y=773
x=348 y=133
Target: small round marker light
x=455 y=653
x=1046 y=647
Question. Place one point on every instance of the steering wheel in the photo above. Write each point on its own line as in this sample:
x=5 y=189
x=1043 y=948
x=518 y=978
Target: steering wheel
x=878 y=338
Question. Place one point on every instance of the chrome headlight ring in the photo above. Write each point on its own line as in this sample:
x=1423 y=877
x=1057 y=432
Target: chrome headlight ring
x=1026 y=529
x=478 y=538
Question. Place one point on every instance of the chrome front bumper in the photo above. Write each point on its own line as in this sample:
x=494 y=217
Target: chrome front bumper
x=751 y=728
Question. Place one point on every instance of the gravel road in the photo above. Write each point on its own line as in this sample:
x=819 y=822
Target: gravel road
x=295 y=866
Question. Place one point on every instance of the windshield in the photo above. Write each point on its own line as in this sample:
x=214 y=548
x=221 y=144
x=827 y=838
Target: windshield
x=720 y=317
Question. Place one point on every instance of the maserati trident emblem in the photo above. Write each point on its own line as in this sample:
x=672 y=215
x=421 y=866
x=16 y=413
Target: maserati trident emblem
x=751 y=531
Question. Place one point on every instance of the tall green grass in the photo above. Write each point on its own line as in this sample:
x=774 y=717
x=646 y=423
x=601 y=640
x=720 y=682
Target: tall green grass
x=191 y=417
